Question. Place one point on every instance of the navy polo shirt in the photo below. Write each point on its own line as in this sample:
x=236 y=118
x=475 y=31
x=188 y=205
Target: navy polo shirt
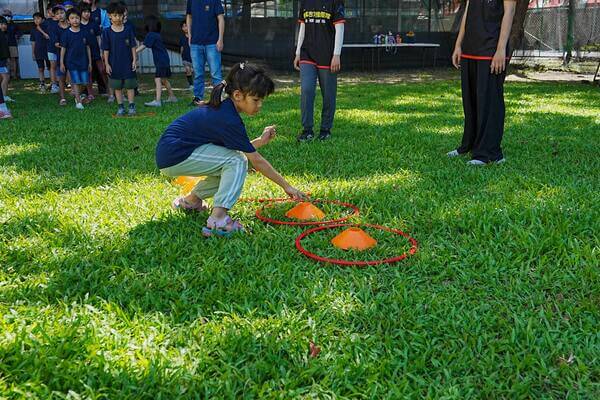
x=185 y=54
x=52 y=30
x=205 y=29
x=76 y=44
x=159 y=52
x=222 y=126
x=119 y=45
x=96 y=17
x=93 y=30
x=40 y=45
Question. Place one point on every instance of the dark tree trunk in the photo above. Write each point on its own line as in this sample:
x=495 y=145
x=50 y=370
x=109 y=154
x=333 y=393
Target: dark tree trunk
x=570 y=27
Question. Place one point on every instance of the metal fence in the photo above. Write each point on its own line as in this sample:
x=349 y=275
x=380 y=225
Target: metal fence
x=546 y=31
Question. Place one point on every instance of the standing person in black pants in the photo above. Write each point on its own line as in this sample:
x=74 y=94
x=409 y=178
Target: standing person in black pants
x=320 y=41
x=481 y=52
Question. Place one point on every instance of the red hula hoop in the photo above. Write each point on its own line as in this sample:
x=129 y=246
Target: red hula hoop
x=267 y=202
x=410 y=252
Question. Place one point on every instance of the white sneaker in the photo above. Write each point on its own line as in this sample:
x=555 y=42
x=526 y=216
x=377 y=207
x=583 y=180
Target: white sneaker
x=500 y=161
x=171 y=100
x=54 y=88
x=111 y=99
x=453 y=153
x=153 y=103
x=476 y=163
x=9 y=99
x=79 y=106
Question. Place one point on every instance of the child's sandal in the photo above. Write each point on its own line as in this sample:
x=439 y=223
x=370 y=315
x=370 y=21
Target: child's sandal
x=223 y=228
x=181 y=203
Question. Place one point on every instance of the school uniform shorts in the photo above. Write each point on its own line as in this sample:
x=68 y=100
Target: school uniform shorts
x=162 y=72
x=52 y=56
x=41 y=63
x=79 y=77
x=14 y=51
x=120 y=84
x=3 y=70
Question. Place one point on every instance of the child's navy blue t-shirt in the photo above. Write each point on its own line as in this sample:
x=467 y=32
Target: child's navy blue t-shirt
x=52 y=30
x=205 y=30
x=75 y=44
x=159 y=52
x=94 y=31
x=12 y=34
x=222 y=126
x=119 y=45
x=185 y=54
x=40 y=45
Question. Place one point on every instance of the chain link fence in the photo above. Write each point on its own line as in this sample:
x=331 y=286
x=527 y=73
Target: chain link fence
x=546 y=32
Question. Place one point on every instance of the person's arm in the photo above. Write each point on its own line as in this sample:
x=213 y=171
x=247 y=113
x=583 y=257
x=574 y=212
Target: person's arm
x=498 y=64
x=301 y=33
x=336 y=64
x=134 y=55
x=188 y=20
x=268 y=134
x=62 y=59
x=140 y=48
x=265 y=168
x=89 y=53
x=39 y=28
x=221 y=22
x=457 y=53
x=107 y=66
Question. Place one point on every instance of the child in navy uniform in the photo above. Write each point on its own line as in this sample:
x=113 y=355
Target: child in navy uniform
x=481 y=52
x=13 y=37
x=97 y=65
x=320 y=41
x=46 y=28
x=75 y=55
x=120 y=58
x=212 y=141
x=55 y=37
x=4 y=59
x=161 y=61
x=186 y=56
x=39 y=53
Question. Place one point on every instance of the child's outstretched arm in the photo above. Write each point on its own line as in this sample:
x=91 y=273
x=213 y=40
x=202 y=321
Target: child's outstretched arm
x=265 y=168
x=140 y=48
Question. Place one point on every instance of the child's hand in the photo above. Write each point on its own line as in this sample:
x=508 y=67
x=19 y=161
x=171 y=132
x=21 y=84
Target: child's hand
x=336 y=64
x=268 y=134
x=108 y=69
x=133 y=66
x=297 y=63
x=456 y=57
x=295 y=194
x=89 y=67
x=46 y=36
x=498 y=62
x=62 y=68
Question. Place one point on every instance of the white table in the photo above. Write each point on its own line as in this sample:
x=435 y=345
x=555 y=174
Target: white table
x=376 y=49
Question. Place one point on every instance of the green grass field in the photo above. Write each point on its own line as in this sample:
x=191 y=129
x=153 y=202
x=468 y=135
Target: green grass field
x=105 y=293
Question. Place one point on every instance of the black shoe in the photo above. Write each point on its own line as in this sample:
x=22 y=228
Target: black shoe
x=306 y=135
x=324 y=134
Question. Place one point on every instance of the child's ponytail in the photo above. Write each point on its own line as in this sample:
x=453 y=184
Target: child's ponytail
x=217 y=95
x=250 y=79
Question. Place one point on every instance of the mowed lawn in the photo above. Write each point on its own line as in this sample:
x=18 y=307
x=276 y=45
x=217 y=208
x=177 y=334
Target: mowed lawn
x=106 y=293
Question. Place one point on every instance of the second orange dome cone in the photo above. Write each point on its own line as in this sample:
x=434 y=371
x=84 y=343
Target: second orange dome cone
x=305 y=211
x=354 y=238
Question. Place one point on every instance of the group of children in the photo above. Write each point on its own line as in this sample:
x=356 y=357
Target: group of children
x=77 y=46
x=212 y=141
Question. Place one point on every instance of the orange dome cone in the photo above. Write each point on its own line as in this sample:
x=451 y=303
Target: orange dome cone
x=354 y=238
x=187 y=183
x=305 y=211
